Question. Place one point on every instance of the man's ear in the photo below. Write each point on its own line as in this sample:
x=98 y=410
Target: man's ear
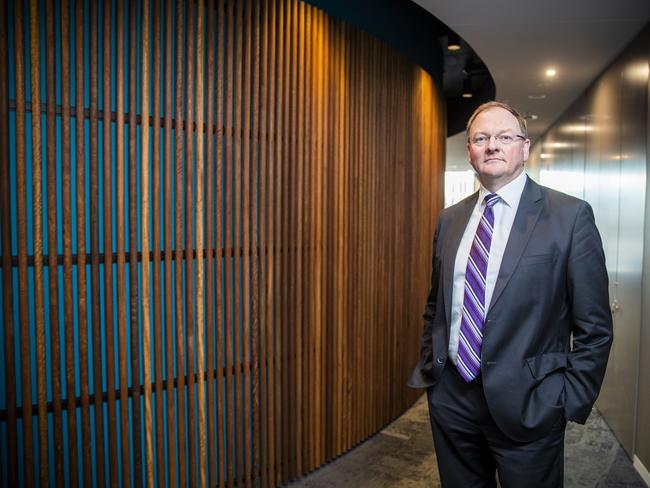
x=526 y=149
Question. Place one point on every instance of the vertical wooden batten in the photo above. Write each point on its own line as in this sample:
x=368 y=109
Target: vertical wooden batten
x=7 y=269
x=211 y=423
x=169 y=255
x=189 y=225
x=97 y=364
x=107 y=161
x=21 y=231
x=221 y=432
x=52 y=244
x=247 y=253
x=156 y=224
x=145 y=260
x=199 y=225
x=123 y=355
x=179 y=251
x=228 y=253
x=80 y=193
x=37 y=220
x=134 y=288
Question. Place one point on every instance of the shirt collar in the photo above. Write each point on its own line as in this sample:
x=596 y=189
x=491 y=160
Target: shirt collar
x=510 y=194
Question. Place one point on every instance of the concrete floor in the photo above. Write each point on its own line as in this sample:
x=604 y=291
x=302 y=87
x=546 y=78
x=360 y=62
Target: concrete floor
x=402 y=456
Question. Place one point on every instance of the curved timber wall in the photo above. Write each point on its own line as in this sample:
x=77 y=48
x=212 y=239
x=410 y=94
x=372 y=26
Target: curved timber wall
x=216 y=234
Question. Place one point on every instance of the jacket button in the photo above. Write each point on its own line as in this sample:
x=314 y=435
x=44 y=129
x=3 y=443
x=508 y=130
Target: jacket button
x=440 y=359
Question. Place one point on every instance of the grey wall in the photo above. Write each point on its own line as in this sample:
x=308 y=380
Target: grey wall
x=643 y=414
x=598 y=150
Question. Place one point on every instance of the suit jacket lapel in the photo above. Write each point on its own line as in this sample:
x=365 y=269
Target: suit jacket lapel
x=450 y=248
x=530 y=207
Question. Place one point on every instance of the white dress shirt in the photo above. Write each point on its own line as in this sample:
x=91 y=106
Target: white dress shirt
x=504 y=215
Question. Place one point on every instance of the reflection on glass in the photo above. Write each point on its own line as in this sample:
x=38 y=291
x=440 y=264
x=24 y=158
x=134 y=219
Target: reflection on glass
x=458 y=185
x=569 y=182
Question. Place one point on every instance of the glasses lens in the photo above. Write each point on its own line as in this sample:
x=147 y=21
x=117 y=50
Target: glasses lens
x=480 y=140
x=505 y=139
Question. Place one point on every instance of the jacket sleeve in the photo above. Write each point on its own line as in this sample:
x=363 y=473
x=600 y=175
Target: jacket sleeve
x=426 y=345
x=422 y=375
x=592 y=329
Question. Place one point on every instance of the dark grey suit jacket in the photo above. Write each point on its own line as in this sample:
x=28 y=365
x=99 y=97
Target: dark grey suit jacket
x=552 y=286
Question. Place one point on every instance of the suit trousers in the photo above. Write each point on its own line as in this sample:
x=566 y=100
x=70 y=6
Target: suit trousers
x=471 y=449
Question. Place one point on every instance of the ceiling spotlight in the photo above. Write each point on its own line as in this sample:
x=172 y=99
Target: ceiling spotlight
x=538 y=96
x=453 y=42
x=467 y=88
x=531 y=116
x=551 y=72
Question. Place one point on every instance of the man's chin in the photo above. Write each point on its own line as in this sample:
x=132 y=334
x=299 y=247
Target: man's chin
x=491 y=173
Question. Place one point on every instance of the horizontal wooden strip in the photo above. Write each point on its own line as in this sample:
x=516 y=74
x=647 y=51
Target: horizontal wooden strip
x=99 y=116
x=207 y=375
x=207 y=252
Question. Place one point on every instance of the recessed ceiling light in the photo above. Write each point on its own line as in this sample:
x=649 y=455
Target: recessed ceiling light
x=531 y=116
x=551 y=72
x=546 y=156
x=538 y=96
x=467 y=88
x=453 y=42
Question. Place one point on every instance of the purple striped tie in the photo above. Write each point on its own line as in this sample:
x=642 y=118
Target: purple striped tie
x=471 y=325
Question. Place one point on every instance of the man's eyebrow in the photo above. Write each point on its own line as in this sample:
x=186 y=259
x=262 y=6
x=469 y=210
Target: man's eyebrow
x=481 y=133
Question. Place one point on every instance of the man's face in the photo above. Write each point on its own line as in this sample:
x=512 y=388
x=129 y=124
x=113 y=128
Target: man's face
x=497 y=164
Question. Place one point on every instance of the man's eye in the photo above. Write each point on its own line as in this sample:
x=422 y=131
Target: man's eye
x=506 y=139
x=480 y=139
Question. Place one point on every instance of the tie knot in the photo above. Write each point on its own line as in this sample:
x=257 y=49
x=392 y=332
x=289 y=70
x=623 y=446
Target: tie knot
x=491 y=199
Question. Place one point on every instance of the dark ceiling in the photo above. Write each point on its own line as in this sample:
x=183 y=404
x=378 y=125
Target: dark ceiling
x=419 y=35
x=461 y=68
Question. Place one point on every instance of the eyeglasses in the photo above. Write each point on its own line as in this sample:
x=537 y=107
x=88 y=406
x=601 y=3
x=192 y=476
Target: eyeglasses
x=480 y=140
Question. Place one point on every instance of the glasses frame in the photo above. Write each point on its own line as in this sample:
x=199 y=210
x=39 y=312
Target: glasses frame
x=497 y=138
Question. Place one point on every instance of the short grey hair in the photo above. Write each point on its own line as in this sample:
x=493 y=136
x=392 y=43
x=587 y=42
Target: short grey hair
x=504 y=106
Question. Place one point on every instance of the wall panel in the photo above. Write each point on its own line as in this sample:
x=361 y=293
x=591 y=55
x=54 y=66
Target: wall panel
x=607 y=128
x=216 y=230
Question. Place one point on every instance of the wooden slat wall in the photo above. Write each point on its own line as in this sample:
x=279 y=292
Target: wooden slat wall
x=255 y=183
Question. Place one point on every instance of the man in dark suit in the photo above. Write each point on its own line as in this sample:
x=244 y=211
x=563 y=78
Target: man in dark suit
x=517 y=325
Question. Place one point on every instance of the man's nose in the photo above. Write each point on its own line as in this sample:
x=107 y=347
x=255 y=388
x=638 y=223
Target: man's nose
x=492 y=144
